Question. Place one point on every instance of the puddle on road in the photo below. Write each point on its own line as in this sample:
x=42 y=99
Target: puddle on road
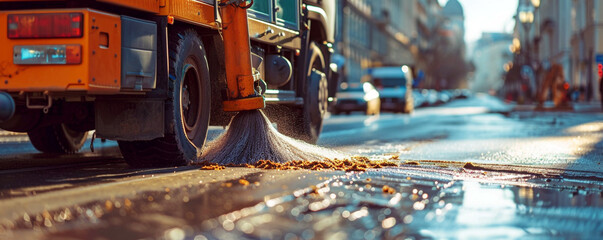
x=364 y=206
x=409 y=202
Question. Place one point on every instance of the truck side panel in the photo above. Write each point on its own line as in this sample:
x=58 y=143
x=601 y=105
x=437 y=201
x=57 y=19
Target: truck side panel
x=139 y=54
x=144 y=5
x=195 y=12
x=105 y=60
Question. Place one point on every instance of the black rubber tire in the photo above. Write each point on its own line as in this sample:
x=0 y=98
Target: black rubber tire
x=306 y=123
x=188 y=123
x=57 y=138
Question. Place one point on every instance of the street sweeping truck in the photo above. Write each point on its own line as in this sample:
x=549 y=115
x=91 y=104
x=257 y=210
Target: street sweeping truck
x=154 y=74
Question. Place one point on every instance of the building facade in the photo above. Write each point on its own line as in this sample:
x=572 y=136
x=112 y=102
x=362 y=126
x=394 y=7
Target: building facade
x=567 y=33
x=449 y=67
x=492 y=57
x=373 y=34
x=419 y=33
x=585 y=47
x=428 y=18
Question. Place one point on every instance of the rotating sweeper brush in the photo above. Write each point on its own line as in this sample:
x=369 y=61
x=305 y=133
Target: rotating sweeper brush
x=250 y=136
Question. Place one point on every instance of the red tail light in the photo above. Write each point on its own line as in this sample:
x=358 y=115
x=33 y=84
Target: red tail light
x=46 y=25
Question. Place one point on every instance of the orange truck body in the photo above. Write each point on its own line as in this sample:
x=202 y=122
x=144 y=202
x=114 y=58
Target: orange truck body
x=100 y=68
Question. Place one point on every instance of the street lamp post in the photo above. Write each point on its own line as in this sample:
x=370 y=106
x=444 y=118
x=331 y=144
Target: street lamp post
x=537 y=66
x=526 y=17
x=536 y=4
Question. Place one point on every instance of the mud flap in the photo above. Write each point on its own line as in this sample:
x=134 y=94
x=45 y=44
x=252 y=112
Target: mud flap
x=129 y=119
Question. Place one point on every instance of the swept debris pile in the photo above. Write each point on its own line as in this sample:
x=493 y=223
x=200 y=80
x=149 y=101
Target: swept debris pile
x=351 y=164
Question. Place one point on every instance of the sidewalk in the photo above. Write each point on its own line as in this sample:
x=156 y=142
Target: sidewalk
x=4 y=133
x=577 y=107
x=588 y=107
x=8 y=137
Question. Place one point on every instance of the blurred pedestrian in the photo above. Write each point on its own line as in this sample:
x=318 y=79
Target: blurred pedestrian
x=554 y=80
x=601 y=91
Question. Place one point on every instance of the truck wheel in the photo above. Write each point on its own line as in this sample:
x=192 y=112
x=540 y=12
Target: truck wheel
x=187 y=110
x=307 y=123
x=57 y=138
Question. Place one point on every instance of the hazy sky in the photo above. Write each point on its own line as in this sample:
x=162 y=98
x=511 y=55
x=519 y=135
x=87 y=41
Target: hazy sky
x=487 y=16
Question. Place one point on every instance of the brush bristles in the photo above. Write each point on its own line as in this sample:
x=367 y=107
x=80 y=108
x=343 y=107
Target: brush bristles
x=250 y=137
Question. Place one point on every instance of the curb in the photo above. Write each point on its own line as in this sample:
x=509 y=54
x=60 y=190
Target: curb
x=572 y=107
x=4 y=133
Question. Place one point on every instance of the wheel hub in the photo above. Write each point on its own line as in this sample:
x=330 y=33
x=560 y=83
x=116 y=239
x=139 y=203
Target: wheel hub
x=323 y=93
x=189 y=101
x=186 y=102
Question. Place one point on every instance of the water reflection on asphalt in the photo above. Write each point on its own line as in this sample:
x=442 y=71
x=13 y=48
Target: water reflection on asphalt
x=446 y=204
x=405 y=202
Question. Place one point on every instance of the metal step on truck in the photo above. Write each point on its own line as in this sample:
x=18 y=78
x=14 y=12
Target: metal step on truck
x=154 y=74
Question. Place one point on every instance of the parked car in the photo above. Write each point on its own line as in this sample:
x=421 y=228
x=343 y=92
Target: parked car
x=444 y=97
x=363 y=98
x=431 y=96
x=464 y=93
x=418 y=99
x=395 y=88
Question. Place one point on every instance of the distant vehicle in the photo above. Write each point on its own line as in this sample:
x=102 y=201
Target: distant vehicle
x=464 y=93
x=444 y=97
x=395 y=88
x=431 y=96
x=350 y=99
x=418 y=99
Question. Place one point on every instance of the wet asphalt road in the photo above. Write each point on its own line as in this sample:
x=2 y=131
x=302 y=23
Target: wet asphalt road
x=533 y=175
